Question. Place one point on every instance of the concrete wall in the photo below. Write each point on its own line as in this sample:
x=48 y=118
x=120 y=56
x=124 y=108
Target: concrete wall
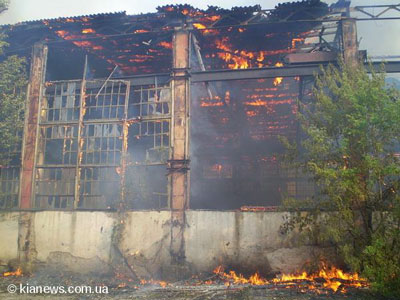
x=145 y=242
x=81 y=240
x=246 y=241
x=8 y=237
x=91 y=241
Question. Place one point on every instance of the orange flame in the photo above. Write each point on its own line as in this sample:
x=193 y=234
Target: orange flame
x=238 y=59
x=62 y=33
x=199 y=26
x=296 y=40
x=153 y=282
x=88 y=44
x=140 y=31
x=258 y=102
x=165 y=45
x=88 y=30
x=18 y=272
x=334 y=279
x=277 y=81
x=213 y=18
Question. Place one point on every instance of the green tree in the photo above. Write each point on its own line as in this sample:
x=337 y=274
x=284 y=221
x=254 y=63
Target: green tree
x=13 y=82
x=352 y=133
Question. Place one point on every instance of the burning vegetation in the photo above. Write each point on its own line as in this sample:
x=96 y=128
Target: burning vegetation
x=17 y=272
x=326 y=279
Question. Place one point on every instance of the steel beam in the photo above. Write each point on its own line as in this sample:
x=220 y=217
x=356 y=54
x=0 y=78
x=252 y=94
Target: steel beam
x=31 y=127
x=314 y=57
x=242 y=74
x=150 y=79
x=286 y=71
x=390 y=66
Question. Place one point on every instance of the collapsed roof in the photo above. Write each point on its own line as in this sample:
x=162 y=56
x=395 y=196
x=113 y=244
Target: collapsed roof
x=242 y=37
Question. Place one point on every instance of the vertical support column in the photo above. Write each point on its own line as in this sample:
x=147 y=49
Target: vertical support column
x=179 y=159
x=31 y=128
x=124 y=156
x=79 y=154
x=349 y=41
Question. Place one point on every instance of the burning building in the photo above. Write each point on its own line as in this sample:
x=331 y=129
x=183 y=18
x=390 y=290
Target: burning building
x=155 y=136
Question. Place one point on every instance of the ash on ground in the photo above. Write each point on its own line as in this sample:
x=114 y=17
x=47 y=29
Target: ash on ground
x=193 y=288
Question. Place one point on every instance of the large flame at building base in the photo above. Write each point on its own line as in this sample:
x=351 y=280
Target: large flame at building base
x=325 y=280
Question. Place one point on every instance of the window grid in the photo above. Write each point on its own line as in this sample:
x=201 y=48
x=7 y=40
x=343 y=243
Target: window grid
x=158 y=130
x=61 y=102
x=102 y=144
x=98 y=186
x=105 y=103
x=150 y=102
x=101 y=141
x=54 y=188
x=58 y=140
x=9 y=185
x=149 y=142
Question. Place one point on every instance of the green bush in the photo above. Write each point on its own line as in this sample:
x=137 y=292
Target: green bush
x=352 y=133
x=382 y=266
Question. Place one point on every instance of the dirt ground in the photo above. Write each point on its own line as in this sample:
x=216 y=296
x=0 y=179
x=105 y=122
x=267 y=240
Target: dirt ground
x=191 y=289
x=188 y=292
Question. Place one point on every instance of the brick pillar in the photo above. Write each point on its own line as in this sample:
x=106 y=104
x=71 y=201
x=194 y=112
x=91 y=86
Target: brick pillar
x=179 y=159
x=37 y=74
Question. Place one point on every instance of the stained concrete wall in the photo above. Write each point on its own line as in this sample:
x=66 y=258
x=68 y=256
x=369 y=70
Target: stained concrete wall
x=245 y=241
x=8 y=237
x=145 y=242
x=81 y=240
x=88 y=241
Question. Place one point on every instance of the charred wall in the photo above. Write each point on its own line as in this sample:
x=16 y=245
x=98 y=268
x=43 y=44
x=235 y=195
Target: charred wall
x=236 y=151
x=107 y=131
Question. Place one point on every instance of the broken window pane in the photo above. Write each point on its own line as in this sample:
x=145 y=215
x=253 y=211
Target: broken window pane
x=148 y=142
x=99 y=188
x=58 y=145
x=9 y=185
x=61 y=102
x=149 y=101
x=105 y=100
x=54 y=188
x=146 y=187
x=234 y=143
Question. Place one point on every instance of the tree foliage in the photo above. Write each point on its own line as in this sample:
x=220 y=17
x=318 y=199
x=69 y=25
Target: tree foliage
x=351 y=151
x=13 y=82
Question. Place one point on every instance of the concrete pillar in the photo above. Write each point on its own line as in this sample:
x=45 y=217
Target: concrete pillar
x=179 y=159
x=37 y=76
x=349 y=41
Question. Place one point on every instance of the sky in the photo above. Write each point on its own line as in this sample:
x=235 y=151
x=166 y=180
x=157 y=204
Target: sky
x=379 y=38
